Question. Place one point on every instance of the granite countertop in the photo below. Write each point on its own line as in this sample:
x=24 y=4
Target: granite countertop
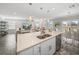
x=28 y=40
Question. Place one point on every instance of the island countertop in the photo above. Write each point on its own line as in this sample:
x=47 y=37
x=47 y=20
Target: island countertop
x=28 y=40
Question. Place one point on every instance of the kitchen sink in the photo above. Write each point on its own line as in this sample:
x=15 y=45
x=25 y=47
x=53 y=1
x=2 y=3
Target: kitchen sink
x=43 y=36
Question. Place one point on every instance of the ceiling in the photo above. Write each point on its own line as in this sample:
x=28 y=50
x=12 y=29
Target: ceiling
x=38 y=10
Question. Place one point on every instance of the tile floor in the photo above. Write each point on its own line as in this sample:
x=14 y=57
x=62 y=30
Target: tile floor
x=64 y=52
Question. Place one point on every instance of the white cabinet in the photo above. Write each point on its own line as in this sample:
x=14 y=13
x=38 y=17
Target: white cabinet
x=45 y=48
x=37 y=49
x=52 y=46
x=48 y=47
x=27 y=52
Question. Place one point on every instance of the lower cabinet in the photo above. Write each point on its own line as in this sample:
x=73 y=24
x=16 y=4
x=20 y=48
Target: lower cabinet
x=45 y=48
x=48 y=47
x=52 y=46
x=27 y=52
x=58 y=42
x=37 y=50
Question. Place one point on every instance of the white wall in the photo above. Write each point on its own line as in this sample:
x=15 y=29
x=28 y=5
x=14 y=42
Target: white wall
x=13 y=23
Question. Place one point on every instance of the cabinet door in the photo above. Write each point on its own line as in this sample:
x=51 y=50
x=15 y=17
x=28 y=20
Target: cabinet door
x=58 y=42
x=45 y=48
x=37 y=50
x=27 y=52
x=52 y=46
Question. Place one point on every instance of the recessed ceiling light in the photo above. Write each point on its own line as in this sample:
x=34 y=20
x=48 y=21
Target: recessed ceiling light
x=41 y=8
x=73 y=5
x=30 y=3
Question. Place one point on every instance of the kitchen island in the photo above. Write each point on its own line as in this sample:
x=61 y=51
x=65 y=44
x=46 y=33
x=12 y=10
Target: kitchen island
x=29 y=44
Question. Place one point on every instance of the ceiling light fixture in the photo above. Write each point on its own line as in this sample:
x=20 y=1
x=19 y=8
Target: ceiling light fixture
x=30 y=3
x=41 y=8
x=72 y=6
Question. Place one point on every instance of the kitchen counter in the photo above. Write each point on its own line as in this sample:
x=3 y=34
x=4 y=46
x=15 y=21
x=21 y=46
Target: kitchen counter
x=27 y=40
